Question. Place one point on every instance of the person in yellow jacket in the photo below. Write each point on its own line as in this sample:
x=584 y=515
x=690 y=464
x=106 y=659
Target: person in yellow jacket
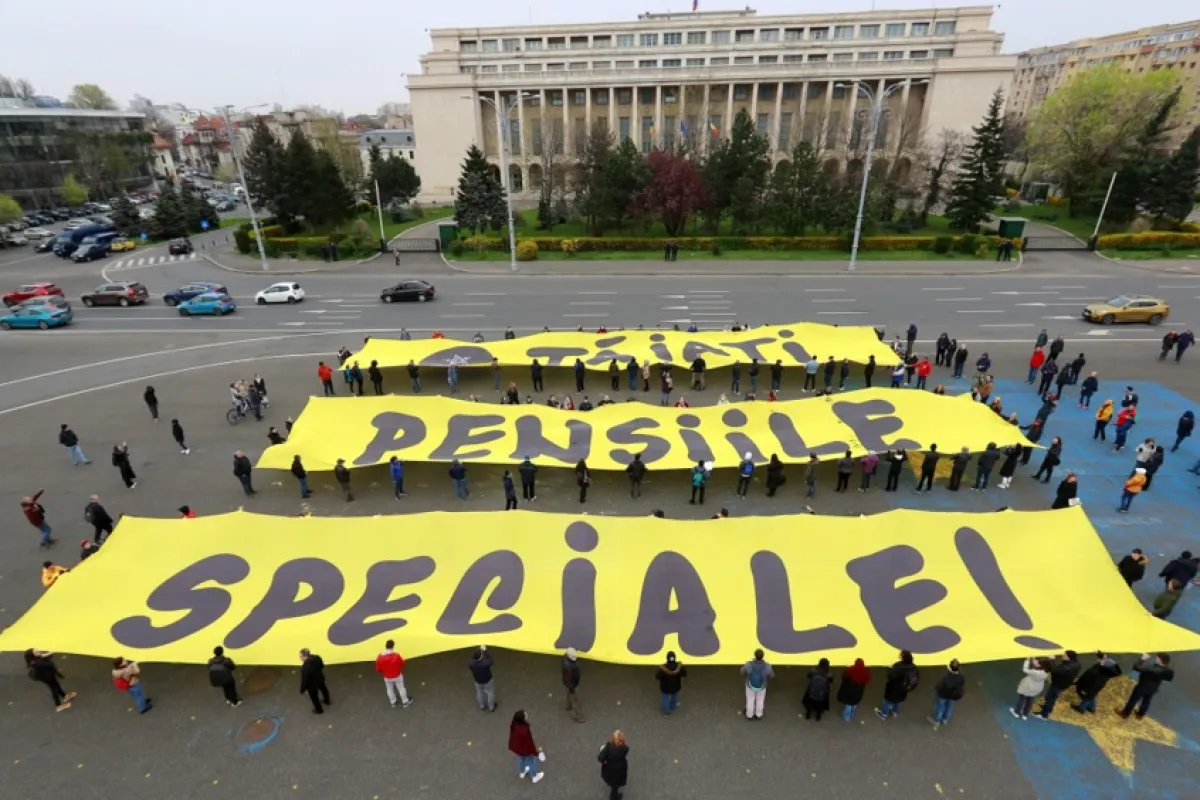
x=1133 y=487
x=1103 y=417
x=50 y=573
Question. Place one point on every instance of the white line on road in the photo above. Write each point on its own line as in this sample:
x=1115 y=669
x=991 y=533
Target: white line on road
x=834 y=300
x=1177 y=285
x=1093 y=299
x=587 y=316
x=1062 y=316
x=713 y=314
x=1064 y=287
x=461 y=316
x=957 y=299
x=674 y=308
x=833 y=313
x=595 y=293
x=942 y=289
x=710 y=302
x=140 y=261
x=708 y=291
x=590 y=303
x=671 y=296
x=981 y=311
x=824 y=290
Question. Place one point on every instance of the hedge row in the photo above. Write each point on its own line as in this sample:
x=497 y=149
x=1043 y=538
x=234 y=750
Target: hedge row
x=729 y=243
x=1155 y=240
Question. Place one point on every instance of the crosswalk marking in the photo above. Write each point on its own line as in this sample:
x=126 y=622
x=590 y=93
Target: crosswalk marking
x=150 y=261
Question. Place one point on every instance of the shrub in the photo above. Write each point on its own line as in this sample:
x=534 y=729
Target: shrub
x=241 y=238
x=968 y=243
x=271 y=231
x=363 y=206
x=1190 y=227
x=416 y=209
x=271 y=248
x=1058 y=201
x=527 y=250
x=1009 y=191
x=456 y=247
x=1156 y=240
x=349 y=248
x=716 y=249
x=942 y=244
x=480 y=244
x=569 y=247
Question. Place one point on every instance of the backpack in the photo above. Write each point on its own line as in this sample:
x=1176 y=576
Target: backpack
x=757 y=679
x=911 y=679
x=818 y=686
x=219 y=674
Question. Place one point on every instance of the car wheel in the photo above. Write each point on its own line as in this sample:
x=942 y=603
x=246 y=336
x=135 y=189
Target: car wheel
x=123 y=302
x=5 y=326
x=43 y=325
x=291 y=300
x=1107 y=319
x=171 y=301
x=183 y=312
x=8 y=303
x=387 y=298
x=1155 y=319
x=262 y=301
x=421 y=298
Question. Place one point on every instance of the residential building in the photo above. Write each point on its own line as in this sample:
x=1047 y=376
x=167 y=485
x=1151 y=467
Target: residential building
x=1174 y=47
x=390 y=142
x=206 y=147
x=325 y=133
x=667 y=77
x=41 y=144
x=164 y=161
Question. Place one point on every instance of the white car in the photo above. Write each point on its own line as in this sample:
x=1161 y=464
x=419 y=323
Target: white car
x=15 y=239
x=38 y=233
x=280 y=293
x=72 y=224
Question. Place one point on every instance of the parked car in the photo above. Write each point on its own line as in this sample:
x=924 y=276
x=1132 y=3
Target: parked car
x=121 y=244
x=420 y=291
x=1127 y=308
x=178 y=247
x=43 y=317
x=15 y=239
x=123 y=293
x=76 y=222
x=46 y=245
x=56 y=300
x=29 y=290
x=286 y=292
x=38 y=234
x=16 y=225
x=103 y=208
x=62 y=214
x=190 y=290
x=90 y=251
x=216 y=303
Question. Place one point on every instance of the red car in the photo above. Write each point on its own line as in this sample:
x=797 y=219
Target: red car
x=30 y=290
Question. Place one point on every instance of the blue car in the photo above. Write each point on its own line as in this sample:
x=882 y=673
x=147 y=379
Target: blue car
x=216 y=303
x=190 y=290
x=40 y=316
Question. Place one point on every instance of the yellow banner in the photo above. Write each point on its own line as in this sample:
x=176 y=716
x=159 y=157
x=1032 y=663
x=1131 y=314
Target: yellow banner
x=370 y=430
x=792 y=344
x=626 y=590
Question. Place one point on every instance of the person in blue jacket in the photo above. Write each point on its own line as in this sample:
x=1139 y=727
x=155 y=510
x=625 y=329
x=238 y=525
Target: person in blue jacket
x=397 y=469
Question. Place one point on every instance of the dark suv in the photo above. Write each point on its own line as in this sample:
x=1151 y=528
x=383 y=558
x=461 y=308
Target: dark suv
x=178 y=247
x=90 y=251
x=124 y=293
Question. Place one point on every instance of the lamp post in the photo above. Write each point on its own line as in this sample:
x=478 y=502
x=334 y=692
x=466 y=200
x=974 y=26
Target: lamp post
x=877 y=100
x=503 y=113
x=262 y=253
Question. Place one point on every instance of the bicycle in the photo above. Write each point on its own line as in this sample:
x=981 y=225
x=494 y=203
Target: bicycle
x=235 y=415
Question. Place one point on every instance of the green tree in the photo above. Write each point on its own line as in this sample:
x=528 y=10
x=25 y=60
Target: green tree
x=980 y=177
x=1140 y=164
x=1172 y=193
x=736 y=174
x=331 y=201
x=298 y=199
x=265 y=168
x=170 y=216
x=71 y=192
x=1082 y=129
x=479 y=200
x=398 y=181
x=226 y=173
x=625 y=174
x=196 y=210
x=9 y=209
x=799 y=190
x=89 y=95
x=594 y=155
x=125 y=216
x=374 y=156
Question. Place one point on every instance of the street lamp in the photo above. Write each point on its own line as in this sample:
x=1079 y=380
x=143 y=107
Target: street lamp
x=262 y=253
x=877 y=100
x=502 y=116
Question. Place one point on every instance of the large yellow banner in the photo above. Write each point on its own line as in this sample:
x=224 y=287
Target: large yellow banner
x=370 y=430
x=626 y=590
x=792 y=344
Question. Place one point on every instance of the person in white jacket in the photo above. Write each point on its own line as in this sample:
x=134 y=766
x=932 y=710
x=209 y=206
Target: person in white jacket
x=1036 y=673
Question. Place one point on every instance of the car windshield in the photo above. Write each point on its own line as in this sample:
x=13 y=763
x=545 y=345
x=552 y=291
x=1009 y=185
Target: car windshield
x=1120 y=301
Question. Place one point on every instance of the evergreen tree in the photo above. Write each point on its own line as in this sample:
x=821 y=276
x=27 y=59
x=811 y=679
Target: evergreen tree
x=625 y=174
x=374 y=156
x=125 y=216
x=980 y=177
x=170 y=219
x=736 y=174
x=479 y=201
x=265 y=172
x=799 y=191
x=299 y=195
x=398 y=181
x=1172 y=193
x=195 y=210
x=332 y=201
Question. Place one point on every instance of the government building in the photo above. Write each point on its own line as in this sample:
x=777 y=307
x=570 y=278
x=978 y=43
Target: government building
x=666 y=79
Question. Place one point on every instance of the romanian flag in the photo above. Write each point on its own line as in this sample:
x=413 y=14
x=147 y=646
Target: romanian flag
x=652 y=133
x=713 y=129
x=695 y=5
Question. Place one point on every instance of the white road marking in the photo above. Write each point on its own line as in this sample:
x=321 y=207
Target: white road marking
x=1064 y=287
x=832 y=313
x=1023 y=293
x=338 y=300
x=141 y=261
x=674 y=308
x=943 y=289
x=824 y=290
x=1092 y=299
x=461 y=316
x=980 y=311
x=1178 y=285
x=1047 y=305
x=121 y=318
x=1099 y=333
x=590 y=303
x=958 y=299
x=1062 y=316
x=834 y=300
x=595 y=293
x=671 y=296
x=587 y=316
x=713 y=314
x=296 y=324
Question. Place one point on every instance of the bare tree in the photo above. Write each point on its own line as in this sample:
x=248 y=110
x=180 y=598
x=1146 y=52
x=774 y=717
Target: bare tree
x=18 y=88
x=938 y=167
x=548 y=149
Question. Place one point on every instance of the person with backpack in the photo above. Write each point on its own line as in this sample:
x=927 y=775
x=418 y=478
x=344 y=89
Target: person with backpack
x=854 y=684
x=745 y=471
x=816 y=693
x=41 y=668
x=757 y=673
x=1036 y=673
x=1063 y=671
x=902 y=678
x=520 y=744
x=636 y=470
x=220 y=675
x=670 y=680
x=127 y=677
x=699 y=482
x=948 y=691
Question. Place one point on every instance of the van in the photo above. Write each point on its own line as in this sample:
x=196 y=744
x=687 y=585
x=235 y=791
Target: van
x=68 y=241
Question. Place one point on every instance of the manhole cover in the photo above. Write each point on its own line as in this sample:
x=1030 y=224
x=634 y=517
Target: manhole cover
x=261 y=679
x=257 y=734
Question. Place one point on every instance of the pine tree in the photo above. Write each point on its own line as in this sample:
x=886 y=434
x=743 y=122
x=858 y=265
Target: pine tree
x=332 y=201
x=265 y=168
x=298 y=198
x=736 y=172
x=625 y=174
x=1141 y=162
x=125 y=216
x=1172 y=193
x=479 y=201
x=980 y=177
x=799 y=191
x=398 y=181
x=170 y=219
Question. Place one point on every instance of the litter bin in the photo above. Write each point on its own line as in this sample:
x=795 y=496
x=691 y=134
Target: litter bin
x=1011 y=228
x=447 y=233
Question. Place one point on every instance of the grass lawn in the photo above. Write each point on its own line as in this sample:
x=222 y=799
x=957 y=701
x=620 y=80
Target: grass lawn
x=1056 y=216
x=737 y=255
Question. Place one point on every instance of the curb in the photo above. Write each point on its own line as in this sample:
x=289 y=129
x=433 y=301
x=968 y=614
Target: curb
x=459 y=266
x=283 y=273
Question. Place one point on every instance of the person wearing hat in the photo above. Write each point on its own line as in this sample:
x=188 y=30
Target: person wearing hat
x=670 y=680
x=87 y=548
x=570 y=679
x=745 y=471
x=342 y=475
x=1133 y=487
x=186 y=512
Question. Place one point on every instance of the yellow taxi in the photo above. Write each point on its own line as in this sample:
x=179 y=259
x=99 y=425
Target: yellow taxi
x=1127 y=308
x=122 y=244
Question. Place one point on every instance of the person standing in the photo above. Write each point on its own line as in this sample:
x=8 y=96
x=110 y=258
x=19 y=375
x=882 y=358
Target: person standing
x=1092 y=682
x=68 y=439
x=1182 y=569
x=816 y=693
x=580 y=372
x=810 y=476
x=571 y=675
x=259 y=384
x=928 y=469
x=735 y=374
x=35 y=513
x=1154 y=463
x=497 y=373
x=41 y=668
x=958 y=468
x=241 y=470
x=1036 y=673
x=396 y=470
x=220 y=676
x=452 y=378
x=414 y=376
x=854 y=685
x=775 y=476
x=1182 y=343
x=1125 y=422
x=830 y=367
x=699 y=370
x=151 y=400
x=127 y=677
x=1067 y=491
x=356 y=379
x=1063 y=671
x=520 y=744
x=745 y=472
x=869 y=371
x=895 y=461
x=1057 y=346
x=868 y=464
x=120 y=460
x=924 y=368
x=177 y=434
x=1151 y=672
x=777 y=374
x=902 y=678
x=480 y=666
x=947 y=691
x=614 y=764
x=583 y=477
x=1164 y=604
x=1132 y=567
x=376 y=376
x=1036 y=361
x=458 y=474
x=1103 y=417
x=960 y=360
x=312 y=680
x=845 y=468
x=1008 y=467
x=898 y=376
x=342 y=475
x=752 y=373
x=510 y=491
x=390 y=666
x=699 y=482
x=636 y=470
x=757 y=672
x=1090 y=385
x=1133 y=487
x=1183 y=428
x=528 y=472
x=670 y=677
x=301 y=476
x=98 y=517
x=325 y=375
x=1048 y=371
x=985 y=465
x=1051 y=460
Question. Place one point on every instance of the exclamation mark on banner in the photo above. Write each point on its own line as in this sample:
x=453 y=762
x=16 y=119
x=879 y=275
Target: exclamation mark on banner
x=981 y=562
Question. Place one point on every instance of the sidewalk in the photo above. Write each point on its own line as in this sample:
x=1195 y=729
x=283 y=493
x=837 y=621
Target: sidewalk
x=735 y=267
x=230 y=260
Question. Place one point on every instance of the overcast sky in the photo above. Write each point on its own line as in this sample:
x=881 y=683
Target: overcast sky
x=352 y=54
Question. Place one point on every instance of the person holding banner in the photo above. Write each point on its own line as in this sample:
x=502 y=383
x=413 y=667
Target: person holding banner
x=699 y=482
x=583 y=477
x=636 y=472
x=758 y=673
x=535 y=371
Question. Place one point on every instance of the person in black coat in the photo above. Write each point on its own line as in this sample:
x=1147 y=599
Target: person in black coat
x=98 y=516
x=1152 y=672
x=1051 y=460
x=1092 y=682
x=816 y=694
x=670 y=677
x=775 y=476
x=985 y=465
x=895 y=461
x=312 y=680
x=902 y=678
x=1183 y=429
x=1011 y=454
x=151 y=401
x=376 y=376
x=1068 y=490
x=614 y=764
x=1181 y=570
x=1133 y=567
x=42 y=669
x=120 y=460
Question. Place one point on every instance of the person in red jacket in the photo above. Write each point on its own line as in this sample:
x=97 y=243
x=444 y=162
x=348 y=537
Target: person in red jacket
x=390 y=665
x=36 y=515
x=325 y=373
x=520 y=743
x=1035 y=364
x=924 y=367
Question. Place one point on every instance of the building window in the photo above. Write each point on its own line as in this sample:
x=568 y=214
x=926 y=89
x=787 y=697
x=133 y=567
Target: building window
x=843 y=56
x=944 y=28
x=533 y=67
x=579 y=43
x=818 y=58
x=602 y=123
x=670 y=96
x=793 y=34
x=793 y=59
x=871 y=56
x=919 y=29
x=511 y=68
x=624 y=97
x=768 y=35
x=766 y=91
x=600 y=97
x=720 y=37
x=555 y=66
x=944 y=52
x=470 y=48
x=894 y=29
x=672 y=63
x=918 y=54
x=785 y=131
x=647 y=134
x=511 y=45
x=868 y=31
x=623 y=131
x=490 y=46
x=467 y=70
x=578 y=97
x=646 y=96
x=718 y=62
x=743 y=60
x=533 y=44
x=893 y=55
x=744 y=37
x=670 y=128
x=601 y=65
x=718 y=93
x=601 y=41
x=557 y=127
x=741 y=92
x=577 y=65
x=555 y=98
x=816 y=91
x=762 y=125
x=648 y=63
x=673 y=38
x=648 y=40
x=695 y=62
x=557 y=43
x=818 y=34
x=625 y=40
x=843 y=32
x=624 y=65
x=768 y=59
x=789 y=91
x=514 y=136
x=488 y=68
x=695 y=37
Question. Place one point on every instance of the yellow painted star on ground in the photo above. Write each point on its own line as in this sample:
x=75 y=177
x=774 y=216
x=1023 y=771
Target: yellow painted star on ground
x=1116 y=737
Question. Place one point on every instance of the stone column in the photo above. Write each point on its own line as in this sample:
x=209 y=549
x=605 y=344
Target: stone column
x=659 y=133
x=727 y=123
x=778 y=121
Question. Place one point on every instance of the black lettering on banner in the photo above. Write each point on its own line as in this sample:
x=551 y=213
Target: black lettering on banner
x=889 y=606
x=579 y=590
x=377 y=604
x=741 y=443
x=660 y=350
x=532 y=442
x=797 y=351
x=555 y=356
x=656 y=447
x=283 y=599
x=181 y=592
x=773 y=607
x=393 y=432
x=505 y=568
x=605 y=353
x=697 y=447
x=750 y=347
x=793 y=444
x=671 y=576
x=461 y=432
x=981 y=563
x=693 y=349
x=871 y=421
x=462 y=355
